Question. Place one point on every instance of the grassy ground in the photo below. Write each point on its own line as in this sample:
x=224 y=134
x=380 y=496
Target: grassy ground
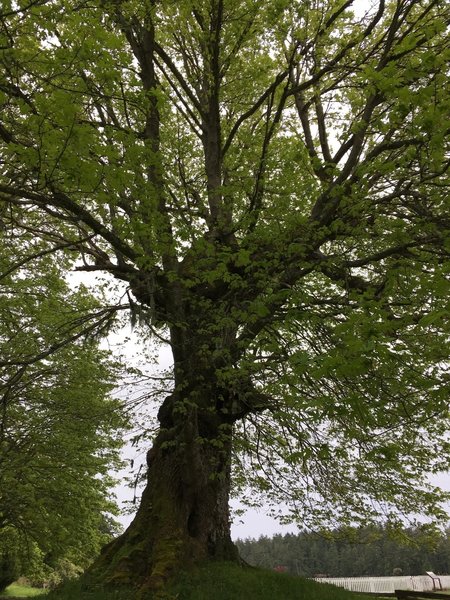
x=21 y=591
x=213 y=582
x=222 y=582
x=228 y=582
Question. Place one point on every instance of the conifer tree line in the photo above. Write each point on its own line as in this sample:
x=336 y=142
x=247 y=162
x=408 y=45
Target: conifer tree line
x=371 y=552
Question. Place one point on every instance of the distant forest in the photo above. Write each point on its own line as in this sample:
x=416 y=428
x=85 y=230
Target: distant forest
x=371 y=552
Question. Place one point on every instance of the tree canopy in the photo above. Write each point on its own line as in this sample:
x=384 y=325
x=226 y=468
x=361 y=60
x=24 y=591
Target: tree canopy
x=269 y=180
x=59 y=426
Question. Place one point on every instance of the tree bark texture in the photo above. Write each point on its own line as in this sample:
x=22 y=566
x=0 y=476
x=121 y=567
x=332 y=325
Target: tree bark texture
x=183 y=518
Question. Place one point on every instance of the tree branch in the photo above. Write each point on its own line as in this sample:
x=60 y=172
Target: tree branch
x=63 y=201
x=105 y=317
x=251 y=111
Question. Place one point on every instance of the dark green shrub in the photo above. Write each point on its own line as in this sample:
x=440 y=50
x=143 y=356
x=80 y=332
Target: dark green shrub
x=9 y=567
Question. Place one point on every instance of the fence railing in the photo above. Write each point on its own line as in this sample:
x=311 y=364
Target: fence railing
x=374 y=585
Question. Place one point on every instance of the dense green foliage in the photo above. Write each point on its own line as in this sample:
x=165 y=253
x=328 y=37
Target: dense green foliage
x=370 y=552
x=10 y=567
x=269 y=182
x=59 y=426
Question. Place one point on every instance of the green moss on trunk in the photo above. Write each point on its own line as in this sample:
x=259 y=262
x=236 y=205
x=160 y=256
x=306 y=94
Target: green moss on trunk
x=183 y=519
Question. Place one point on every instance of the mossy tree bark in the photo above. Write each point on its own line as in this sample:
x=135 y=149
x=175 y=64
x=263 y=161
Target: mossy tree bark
x=183 y=518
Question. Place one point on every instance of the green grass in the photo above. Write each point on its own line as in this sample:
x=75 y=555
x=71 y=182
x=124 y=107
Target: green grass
x=220 y=581
x=77 y=590
x=22 y=591
x=230 y=582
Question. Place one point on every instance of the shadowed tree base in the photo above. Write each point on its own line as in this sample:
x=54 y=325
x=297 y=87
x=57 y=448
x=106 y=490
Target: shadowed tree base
x=183 y=519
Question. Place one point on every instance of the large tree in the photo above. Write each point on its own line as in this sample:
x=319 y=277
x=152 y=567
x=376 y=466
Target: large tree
x=269 y=181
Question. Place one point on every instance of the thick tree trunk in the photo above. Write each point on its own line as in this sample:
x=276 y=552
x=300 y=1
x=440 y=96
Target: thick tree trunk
x=183 y=518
